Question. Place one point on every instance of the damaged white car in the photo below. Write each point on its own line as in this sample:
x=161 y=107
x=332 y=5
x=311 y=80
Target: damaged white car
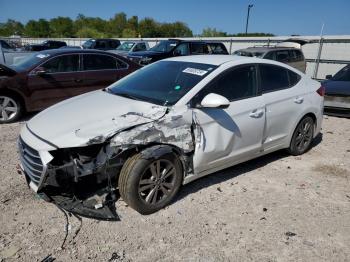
x=163 y=126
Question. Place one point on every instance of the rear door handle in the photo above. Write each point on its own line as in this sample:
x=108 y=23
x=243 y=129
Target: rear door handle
x=257 y=113
x=78 y=80
x=298 y=100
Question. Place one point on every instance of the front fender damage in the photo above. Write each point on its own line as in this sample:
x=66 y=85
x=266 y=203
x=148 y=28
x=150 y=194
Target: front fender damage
x=86 y=183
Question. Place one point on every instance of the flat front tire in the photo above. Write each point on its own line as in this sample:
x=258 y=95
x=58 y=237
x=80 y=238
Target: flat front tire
x=148 y=182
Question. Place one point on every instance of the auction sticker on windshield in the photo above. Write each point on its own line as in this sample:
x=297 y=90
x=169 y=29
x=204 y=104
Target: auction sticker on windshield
x=195 y=71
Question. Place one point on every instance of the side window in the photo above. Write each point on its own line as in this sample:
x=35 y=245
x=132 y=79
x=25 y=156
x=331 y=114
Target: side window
x=294 y=78
x=121 y=64
x=113 y=44
x=273 y=78
x=140 y=47
x=235 y=84
x=282 y=56
x=182 y=49
x=270 y=55
x=67 y=63
x=298 y=55
x=101 y=44
x=199 y=48
x=99 y=62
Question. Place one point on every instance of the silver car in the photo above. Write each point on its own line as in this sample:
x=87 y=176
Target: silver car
x=164 y=126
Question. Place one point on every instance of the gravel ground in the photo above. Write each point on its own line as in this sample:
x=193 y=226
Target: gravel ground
x=275 y=208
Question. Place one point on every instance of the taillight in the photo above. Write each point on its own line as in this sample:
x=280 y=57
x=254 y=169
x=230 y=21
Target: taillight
x=321 y=91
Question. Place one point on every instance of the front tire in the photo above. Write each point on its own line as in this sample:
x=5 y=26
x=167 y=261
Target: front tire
x=302 y=136
x=150 y=180
x=10 y=109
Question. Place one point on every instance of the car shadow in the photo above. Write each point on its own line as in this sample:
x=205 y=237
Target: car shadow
x=237 y=170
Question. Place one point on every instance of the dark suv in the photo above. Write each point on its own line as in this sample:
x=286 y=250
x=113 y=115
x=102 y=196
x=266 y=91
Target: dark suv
x=175 y=47
x=101 y=44
x=48 y=44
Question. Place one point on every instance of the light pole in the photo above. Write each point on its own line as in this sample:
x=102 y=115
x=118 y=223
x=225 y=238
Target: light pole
x=246 y=26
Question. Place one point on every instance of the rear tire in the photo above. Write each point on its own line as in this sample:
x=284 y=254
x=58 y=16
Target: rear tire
x=150 y=180
x=302 y=137
x=11 y=109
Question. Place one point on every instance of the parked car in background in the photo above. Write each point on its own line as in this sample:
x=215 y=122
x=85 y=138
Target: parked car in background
x=45 y=78
x=6 y=46
x=130 y=46
x=176 y=47
x=101 y=44
x=163 y=126
x=337 y=97
x=292 y=55
x=48 y=44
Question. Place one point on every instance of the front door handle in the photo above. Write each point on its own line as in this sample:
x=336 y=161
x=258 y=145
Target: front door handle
x=78 y=80
x=298 y=100
x=257 y=113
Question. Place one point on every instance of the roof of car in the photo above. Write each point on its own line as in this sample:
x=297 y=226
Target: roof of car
x=72 y=50
x=214 y=59
x=264 y=49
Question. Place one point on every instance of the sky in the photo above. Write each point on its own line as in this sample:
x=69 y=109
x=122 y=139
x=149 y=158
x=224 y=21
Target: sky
x=280 y=17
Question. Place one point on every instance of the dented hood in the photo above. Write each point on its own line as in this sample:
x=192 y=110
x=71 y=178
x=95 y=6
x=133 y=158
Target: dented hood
x=91 y=118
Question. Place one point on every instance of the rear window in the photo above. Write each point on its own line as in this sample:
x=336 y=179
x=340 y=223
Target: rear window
x=248 y=53
x=218 y=48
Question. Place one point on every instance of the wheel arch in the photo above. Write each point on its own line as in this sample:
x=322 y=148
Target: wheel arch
x=301 y=117
x=184 y=158
x=14 y=94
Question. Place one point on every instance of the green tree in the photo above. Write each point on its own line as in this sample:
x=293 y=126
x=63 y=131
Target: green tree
x=117 y=24
x=61 y=27
x=87 y=32
x=212 y=32
x=148 y=27
x=40 y=28
x=129 y=33
x=11 y=27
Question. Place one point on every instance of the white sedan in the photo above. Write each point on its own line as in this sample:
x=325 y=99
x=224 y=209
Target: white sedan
x=166 y=125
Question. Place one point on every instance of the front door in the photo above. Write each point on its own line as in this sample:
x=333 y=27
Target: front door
x=55 y=80
x=224 y=137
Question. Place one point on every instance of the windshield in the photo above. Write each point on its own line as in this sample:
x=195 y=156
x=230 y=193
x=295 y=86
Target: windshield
x=162 y=83
x=126 y=46
x=343 y=74
x=29 y=61
x=164 y=46
x=88 y=44
x=249 y=53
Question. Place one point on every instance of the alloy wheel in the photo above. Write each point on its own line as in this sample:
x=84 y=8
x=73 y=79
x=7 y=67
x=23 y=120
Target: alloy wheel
x=304 y=134
x=157 y=182
x=8 y=108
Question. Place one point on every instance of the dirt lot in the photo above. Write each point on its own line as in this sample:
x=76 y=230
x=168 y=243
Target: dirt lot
x=275 y=208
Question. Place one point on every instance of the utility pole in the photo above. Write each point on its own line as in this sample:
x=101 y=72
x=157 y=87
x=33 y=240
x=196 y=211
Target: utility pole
x=246 y=26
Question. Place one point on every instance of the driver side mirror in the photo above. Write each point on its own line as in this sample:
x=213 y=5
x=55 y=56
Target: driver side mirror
x=40 y=71
x=328 y=76
x=215 y=101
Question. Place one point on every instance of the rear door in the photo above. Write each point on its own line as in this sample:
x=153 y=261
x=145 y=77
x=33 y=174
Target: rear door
x=62 y=79
x=234 y=134
x=297 y=60
x=101 y=70
x=283 y=100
